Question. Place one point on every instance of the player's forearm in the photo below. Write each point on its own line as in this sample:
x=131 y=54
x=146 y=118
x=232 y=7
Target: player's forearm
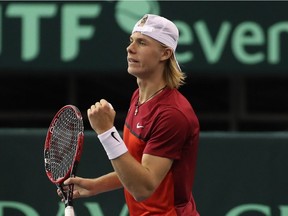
x=134 y=177
x=107 y=183
x=137 y=179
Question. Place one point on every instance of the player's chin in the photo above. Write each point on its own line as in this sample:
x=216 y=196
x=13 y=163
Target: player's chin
x=133 y=71
x=130 y=71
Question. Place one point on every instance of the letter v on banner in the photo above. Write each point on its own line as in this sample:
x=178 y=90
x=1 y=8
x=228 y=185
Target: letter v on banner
x=95 y=209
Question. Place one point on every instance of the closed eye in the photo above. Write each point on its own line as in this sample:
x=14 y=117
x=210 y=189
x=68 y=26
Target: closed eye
x=139 y=41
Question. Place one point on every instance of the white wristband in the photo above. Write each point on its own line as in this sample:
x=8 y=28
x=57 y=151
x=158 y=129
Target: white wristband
x=112 y=143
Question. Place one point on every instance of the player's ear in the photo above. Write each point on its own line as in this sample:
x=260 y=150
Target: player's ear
x=166 y=53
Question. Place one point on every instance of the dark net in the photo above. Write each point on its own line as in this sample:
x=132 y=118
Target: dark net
x=63 y=144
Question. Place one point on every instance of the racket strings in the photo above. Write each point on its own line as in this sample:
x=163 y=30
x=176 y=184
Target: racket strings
x=64 y=143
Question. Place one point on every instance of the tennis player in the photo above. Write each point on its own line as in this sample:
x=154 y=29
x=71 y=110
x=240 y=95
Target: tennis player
x=155 y=162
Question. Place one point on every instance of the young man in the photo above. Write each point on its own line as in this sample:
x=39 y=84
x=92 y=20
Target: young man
x=155 y=162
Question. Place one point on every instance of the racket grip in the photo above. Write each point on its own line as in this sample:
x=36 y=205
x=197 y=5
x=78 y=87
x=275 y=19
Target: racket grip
x=69 y=211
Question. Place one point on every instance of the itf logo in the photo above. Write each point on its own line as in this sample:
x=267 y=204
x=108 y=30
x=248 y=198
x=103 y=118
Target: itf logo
x=127 y=13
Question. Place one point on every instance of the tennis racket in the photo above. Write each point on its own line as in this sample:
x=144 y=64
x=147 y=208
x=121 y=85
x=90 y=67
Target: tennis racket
x=62 y=150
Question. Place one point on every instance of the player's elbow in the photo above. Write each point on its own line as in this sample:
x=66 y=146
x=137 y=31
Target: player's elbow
x=141 y=195
x=140 y=199
x=142 y=190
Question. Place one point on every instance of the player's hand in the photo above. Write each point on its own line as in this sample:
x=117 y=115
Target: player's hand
x=82 y=187
x=101 y=116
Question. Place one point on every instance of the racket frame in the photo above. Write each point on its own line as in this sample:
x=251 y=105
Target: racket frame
x=68 y=196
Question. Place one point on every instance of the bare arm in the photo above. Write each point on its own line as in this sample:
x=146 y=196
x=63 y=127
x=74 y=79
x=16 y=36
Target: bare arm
x=84 y=187
x=140 y=179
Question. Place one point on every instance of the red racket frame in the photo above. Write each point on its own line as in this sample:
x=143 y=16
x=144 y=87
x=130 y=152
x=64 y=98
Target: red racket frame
x=72 y=170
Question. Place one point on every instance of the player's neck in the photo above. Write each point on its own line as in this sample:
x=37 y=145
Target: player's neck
x=146 y=94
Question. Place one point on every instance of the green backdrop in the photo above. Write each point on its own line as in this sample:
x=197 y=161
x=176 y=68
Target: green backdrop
x=92 y=36
x=238 y=174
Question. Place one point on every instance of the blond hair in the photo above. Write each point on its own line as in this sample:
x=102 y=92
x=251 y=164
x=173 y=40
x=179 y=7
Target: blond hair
x=173 y=76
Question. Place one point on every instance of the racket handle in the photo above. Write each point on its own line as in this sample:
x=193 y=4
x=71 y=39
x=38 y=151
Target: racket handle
x=69 y=211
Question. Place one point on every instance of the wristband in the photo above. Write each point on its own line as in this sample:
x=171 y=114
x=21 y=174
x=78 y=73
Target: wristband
x=112 y=143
